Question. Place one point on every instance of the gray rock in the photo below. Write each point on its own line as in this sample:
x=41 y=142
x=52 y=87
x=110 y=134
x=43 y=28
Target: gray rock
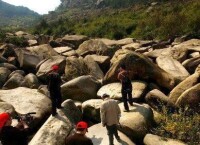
x=76 y=40
x=151 y=139
x=99 y=136
x=173 y=67
x=6 y=107
x=91 y=109
x=114 y=90
x=14 y=82
x=183 y=86
x=8 y=66
x=138 y=65
x=26 y=100
x=190 y=98
x=157 y=100
x=45 y=66
x=136 y=123
x=191 y=64
x=4 y=73
x=55 y=129
x=81 y=88
x=43 y=51
x=30 y=81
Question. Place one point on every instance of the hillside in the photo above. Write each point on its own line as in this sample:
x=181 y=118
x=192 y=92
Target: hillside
x=163 y=19
x=16 y=16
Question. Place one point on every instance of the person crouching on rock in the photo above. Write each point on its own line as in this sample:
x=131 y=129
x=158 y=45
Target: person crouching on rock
x=10 y=135
x=54 y=82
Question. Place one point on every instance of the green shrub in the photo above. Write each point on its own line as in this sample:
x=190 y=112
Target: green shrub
x=18 y=41
x=182 y=125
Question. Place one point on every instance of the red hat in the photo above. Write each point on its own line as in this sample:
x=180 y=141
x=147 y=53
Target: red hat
x=4 y=117
x=55 y=67
x=81 y=125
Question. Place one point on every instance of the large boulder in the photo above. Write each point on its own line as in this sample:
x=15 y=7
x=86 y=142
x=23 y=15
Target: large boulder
x=81 y=88
x=30 y=81
x=183 y=86
x=140 y=65
x=157 y=100
x=151 y=139
x=26 y=100
x=55 y=129
x=102 y=61
x=44 y=51
x=46 y=65
x=173 y=67
x=4 y=73
x=28 y=61
x=177 y=52
x=75 y=40
x=191 y=64
x=14 y=82
x=91 y=109
x=7 y=50
x=190 y=98
x=8 y=66
x=66 y=51
x=98 y=135
x=76 y=67
x=136 y=123
x=93 y=46
x=114 y=90
x=94 y=68
x=6 y=107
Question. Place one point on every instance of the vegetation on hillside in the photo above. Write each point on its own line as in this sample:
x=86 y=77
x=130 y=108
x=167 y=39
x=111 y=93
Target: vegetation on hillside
x=161 y=21
x=16 y=16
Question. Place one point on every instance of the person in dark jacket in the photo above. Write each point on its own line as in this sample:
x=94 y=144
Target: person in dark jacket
x=126 y=89
x=54 y=82
x=79 y=137
x=10 y=135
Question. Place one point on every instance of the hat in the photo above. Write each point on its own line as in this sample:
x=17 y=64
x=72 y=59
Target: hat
x=4 y=117
x=104 y=95
x=55 y=67
x=81 y=125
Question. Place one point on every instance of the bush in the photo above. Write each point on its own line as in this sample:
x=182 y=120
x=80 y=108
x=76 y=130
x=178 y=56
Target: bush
x=181 y=125
x=18 y=41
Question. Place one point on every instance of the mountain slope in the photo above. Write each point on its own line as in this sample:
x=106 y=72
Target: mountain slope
x=16 y=16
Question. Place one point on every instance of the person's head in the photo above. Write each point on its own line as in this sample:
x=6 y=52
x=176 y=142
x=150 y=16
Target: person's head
x=82 y=127
x=55 y=68
x=104 y=96
x=123 y=66
x=5 y=120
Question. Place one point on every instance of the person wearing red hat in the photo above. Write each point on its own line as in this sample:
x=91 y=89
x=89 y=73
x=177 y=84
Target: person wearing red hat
x=54 y=82
x=10 y=135
x=79 y=138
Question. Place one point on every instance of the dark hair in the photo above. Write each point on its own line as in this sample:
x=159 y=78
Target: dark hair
x=80 y=129
x=123 y=66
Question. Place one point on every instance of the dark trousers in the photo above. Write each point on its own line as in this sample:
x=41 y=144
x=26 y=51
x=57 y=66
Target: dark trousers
x=112 y=131
x=56 y=101
x=127 y=93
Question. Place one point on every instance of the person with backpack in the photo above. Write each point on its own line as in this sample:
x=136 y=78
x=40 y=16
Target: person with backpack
x=54 y=82
x=126 y=89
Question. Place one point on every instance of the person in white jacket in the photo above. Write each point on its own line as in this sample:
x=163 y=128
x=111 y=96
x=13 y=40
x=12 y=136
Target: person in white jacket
x=110 y=115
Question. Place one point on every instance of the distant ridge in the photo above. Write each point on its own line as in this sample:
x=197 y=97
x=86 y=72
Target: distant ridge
x=16 y=16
